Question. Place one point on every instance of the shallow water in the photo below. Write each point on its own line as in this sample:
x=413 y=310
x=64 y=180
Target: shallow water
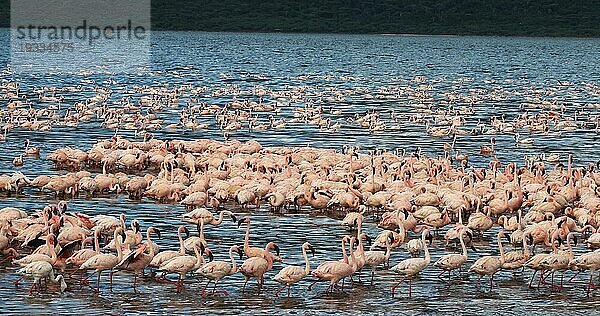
x=509 y=65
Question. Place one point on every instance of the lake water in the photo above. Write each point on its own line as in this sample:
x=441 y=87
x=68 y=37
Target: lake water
x=502 y=73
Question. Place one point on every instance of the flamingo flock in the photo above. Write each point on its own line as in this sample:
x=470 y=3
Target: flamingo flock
x=414 y=200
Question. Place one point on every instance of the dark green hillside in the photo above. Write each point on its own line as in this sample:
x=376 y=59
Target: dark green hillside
x=467 y=17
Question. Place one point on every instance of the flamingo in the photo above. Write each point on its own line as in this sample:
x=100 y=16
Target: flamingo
x=31 y=150
x=489 y=265
x=138 y=260
x=257 y=266
x=216 y=270
x=104 y=261
x=202 y=214
x=50 y=242
x=293 y=274
x=454 y=261
x=334 y=271
x=39 y=270
x=184 y=264
x=588 y=261
x=193 y=241
x=558 y=261
x=167 y=255
x=413 y=266
x=374 y=258
x=253 y=251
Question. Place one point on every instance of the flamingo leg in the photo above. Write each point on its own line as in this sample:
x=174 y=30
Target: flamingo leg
x=562 y=276
x=245 y=282
x=33 y=286
x=311 y=285
x=289 y=286
x=492 y=282
x=204 y=288
x=395 y=286
x=478 y=280
x=179 y=284
x=215 y=289
x=372 y=275
x=135 y=281
x=279 y=290
x=7 y=259
x=18 y=280
x=98 y=282
x=591 y=283
x=440 y=275
x=532 y=277
x=570 y=280
x=541 y=280
x=110 y=274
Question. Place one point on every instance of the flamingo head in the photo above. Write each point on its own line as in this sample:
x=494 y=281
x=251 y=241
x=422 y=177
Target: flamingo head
x=184 y=229
x=209 y=253
x=154 y=230
x=273 y=246
x=238 y=250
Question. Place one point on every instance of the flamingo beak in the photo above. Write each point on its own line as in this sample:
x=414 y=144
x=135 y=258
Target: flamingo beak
x=210 y=255
x=157 y=232
x=312 y=250
x=240 y=221
x=276 y=249
x=240 y=252
x=368 y=239
x=186 y=231
x=233 y=218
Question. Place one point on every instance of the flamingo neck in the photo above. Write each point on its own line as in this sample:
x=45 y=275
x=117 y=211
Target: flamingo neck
x=118 y=245
x=220 y=220
x=96 y=243
x=344 y=251
x=525 y=249
x=569 y=246
x=269 y=257
x=464 y=247
x=501 y=249
x=427 y=257
x=353 y=257
x=247 y=239
x=181 y=243
x=388 y=251
x=233 y=263
x=201 y=232
x=307 y=266
x=149 y=242
x=199 y=258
